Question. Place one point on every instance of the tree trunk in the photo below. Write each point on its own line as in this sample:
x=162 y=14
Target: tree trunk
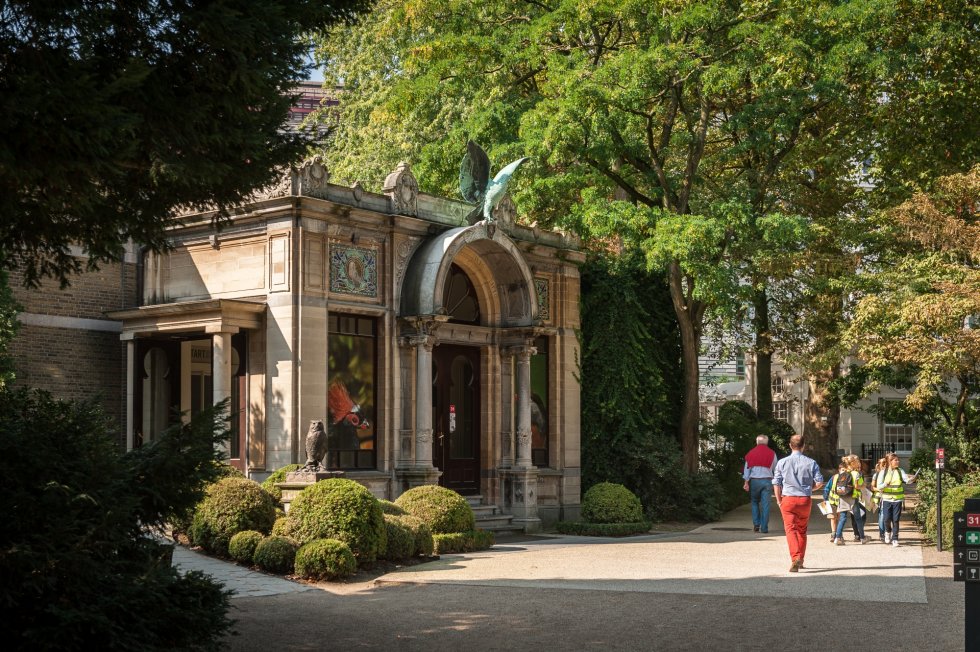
x=763 y=356
x=689 y=315
x=821 y=419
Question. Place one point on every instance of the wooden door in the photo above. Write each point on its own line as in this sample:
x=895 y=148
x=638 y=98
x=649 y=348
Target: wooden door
x=456 y=417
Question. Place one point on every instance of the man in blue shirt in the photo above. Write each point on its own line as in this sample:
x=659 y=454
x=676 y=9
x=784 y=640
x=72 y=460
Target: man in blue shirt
x=795 y=479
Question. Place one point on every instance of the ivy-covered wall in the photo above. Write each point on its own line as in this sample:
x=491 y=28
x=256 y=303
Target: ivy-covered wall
x=631 y=383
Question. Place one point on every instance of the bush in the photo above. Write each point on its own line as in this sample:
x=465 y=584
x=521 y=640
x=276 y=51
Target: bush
x=77 y=570
x=283 y=527
x=443 y=510
x=602 y=529
x=454 y=542
x=608 y=502
x=241 y=548
x=339 y=509
x=921 y=459
x=279 y=475
x=232 y=505
x=401 y=540
x=954 y=500
x=420 y=532
x=325 y=559
x=389 y=507
x=276 y=554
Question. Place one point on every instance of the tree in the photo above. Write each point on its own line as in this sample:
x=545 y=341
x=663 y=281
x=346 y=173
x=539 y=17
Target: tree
x=78 y=565
x=116 y=113
x=673 y=125
x=921 y=309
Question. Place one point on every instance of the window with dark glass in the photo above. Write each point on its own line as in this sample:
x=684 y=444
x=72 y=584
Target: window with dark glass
x=351 y=390
x=459 y=298
x=539 y=403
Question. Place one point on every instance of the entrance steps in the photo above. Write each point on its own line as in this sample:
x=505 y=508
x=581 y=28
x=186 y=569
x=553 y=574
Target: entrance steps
x=489 y=517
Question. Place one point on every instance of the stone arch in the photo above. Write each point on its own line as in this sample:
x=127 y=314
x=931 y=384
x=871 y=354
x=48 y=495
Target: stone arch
x=494 y=264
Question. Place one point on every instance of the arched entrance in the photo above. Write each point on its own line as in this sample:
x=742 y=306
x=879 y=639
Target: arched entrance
x=465 y=293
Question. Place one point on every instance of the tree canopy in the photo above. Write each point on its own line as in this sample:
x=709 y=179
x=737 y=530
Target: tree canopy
x=921 y=308
x=115 y=113
x=697 y=131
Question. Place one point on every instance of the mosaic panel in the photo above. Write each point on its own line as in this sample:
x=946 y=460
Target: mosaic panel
x=353 y=270
x=542 y=287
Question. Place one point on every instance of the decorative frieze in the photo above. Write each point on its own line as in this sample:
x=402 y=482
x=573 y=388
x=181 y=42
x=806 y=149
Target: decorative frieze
x=353 y=270
x=542 y=287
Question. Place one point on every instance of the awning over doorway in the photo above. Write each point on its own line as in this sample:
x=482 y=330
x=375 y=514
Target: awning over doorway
x=207 y=316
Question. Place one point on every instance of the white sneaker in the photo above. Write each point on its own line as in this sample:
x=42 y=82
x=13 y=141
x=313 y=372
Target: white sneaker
x=888 y=537
x=895 y=542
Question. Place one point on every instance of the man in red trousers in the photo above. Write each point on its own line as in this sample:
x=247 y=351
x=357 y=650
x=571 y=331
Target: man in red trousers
x=796 y=478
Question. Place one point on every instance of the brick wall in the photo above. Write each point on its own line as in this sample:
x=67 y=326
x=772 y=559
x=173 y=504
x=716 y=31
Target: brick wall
x=73 y=360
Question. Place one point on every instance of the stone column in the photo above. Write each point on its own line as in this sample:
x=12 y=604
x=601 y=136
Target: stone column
x=423 y=399
x=221 y=366
x=421 y=470
x=524 y=353
x=506 y=408
x=522 y=480
x=131 y=363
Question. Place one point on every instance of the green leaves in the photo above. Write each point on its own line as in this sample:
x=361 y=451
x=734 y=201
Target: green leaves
x=115 y=114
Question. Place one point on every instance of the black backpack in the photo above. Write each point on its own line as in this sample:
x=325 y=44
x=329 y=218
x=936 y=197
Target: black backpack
x=845 y=484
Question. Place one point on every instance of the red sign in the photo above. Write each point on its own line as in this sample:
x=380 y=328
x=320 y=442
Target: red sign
x=973 y=520
x=452 y=409
x=940 y=453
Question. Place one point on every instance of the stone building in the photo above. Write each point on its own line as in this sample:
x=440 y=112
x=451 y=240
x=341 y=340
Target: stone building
x=434 y=348
x=65 y=343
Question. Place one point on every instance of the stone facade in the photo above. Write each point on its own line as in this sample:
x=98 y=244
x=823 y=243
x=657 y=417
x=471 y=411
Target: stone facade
x=433 y=349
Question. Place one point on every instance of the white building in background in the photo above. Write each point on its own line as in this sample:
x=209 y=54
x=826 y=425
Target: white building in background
x=860 y=431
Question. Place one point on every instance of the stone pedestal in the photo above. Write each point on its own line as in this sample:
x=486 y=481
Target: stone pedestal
x=297 y=481
x=411 y=477
x=521 y=497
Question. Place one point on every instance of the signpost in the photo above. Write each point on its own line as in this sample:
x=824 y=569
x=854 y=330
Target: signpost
x=940 y=465
x=966 y=566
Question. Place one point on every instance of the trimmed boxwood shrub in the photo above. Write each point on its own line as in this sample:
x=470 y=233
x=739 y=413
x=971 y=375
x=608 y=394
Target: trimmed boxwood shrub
x=339 y=509
x=276 y=554
x=279 y=475
x=231 y=505
x=420 y=532
x=445 y=544
x=401 y=540
x=389 y=507
x=325 y=559
x=608 y=502
x=283 y=527
x=241 y=548
x=954 y=500
x=443 y=510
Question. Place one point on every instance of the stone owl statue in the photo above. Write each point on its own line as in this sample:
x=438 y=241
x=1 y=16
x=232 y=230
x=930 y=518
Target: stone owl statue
x=316 y=446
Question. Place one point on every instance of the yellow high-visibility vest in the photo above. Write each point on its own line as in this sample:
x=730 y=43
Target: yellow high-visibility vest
x=893 y=487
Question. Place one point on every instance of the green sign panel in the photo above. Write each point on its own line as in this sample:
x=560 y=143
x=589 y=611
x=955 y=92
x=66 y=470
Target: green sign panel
x=973 y=538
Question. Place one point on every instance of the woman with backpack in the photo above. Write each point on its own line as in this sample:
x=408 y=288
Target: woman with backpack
x=876 y=480
x=847 y=487
x=893 y=496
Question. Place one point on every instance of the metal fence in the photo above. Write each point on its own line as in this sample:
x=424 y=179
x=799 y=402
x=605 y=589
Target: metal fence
x=876 y=451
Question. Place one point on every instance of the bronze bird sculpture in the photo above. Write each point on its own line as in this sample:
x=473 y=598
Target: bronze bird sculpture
x=476 y=186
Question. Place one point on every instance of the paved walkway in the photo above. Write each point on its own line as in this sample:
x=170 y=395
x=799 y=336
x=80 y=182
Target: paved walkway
x=720 y=585
x=723 y=558
x=243 y=582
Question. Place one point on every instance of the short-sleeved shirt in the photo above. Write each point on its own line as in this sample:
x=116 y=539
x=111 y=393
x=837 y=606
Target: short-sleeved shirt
x=797 y=474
